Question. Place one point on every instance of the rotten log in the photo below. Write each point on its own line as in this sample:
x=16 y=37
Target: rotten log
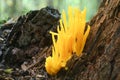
x=28 y=36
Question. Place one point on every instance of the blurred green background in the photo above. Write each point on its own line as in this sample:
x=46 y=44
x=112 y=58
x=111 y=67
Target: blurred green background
x=15 y=8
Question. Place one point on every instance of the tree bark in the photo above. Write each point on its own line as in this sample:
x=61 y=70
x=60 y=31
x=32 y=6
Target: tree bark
x=101 y=59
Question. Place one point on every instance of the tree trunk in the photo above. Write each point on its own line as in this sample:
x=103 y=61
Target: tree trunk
x=101 y=59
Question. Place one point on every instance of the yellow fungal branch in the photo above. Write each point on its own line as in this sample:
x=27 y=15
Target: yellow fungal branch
x=71 y=37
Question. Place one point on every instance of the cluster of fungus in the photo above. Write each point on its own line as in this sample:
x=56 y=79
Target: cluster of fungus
x=71 y=37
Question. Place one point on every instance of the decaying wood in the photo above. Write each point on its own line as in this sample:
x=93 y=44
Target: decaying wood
x=24 y=43
x=102 y=61
x=29 y=35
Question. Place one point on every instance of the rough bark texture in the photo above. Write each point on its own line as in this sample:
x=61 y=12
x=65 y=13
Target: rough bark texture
x=29 y=43
x=101 y=60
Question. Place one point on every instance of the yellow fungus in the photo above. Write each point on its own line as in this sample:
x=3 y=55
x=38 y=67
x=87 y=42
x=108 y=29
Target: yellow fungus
x=71 y=37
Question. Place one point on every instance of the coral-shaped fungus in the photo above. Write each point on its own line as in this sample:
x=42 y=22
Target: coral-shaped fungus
x=71 y=37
